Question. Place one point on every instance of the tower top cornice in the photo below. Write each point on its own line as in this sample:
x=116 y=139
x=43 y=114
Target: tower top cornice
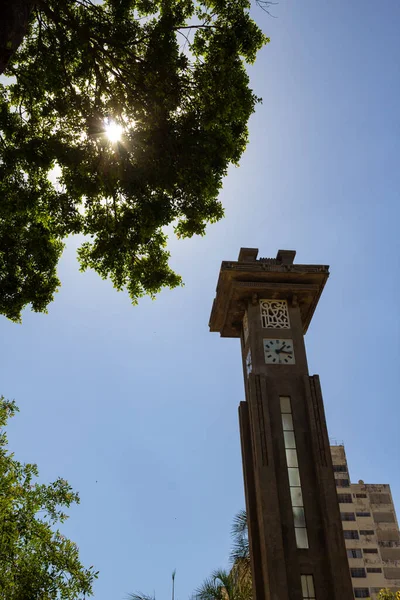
x=249 y=279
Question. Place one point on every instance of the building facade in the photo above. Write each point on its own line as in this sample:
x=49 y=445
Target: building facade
x=370 y=530
x=296 y=542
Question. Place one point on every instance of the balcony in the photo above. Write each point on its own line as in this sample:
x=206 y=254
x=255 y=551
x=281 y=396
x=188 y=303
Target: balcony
x=374 y=560
x=389 y=544
x=390 y=563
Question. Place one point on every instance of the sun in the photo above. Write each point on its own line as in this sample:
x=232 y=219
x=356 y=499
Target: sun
x=113 y=131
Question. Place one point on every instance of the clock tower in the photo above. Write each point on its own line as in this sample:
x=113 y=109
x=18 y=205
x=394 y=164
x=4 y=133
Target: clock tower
x=296 y=540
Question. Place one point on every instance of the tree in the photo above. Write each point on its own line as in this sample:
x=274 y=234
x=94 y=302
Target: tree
x=36 y=560
x=170 y=76
x=226 y=585
x=387 y=594
x=235 y=584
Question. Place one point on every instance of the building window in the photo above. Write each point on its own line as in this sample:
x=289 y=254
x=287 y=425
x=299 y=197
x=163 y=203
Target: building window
x=361 y=592
x=354 y=553
x=344 y=498
x=350 y=534
x=366 y=532
x=342 y=483
x=296 y=495
x=274 y=314
x=359 y=572
x=347 y=516
x=307 y=586
x=249 y=363
x=340 y=468
x=370 y=551
x=374 y=570
x=363 y=514
x=360 y=495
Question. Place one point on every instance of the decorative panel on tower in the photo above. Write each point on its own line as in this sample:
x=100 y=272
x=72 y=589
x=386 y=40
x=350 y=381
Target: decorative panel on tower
x=274 y=314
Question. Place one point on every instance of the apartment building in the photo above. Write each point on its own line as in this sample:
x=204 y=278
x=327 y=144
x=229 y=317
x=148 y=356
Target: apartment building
x=370 y=529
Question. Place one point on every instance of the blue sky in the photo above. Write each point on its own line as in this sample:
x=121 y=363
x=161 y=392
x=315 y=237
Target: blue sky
x=137 y=407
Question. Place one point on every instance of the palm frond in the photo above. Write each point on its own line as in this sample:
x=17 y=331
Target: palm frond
x=221 y=576
x=140 y=596
x=213 y=587
x=240 y=551
x=208 y=591
x=239 y=526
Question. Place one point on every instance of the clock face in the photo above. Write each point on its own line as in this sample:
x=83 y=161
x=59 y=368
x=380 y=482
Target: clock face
x=249 y=366
x=279 y=352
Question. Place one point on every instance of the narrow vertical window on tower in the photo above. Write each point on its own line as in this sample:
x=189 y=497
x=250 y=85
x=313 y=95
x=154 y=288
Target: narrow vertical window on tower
x=307 y=587
x=245 y=327
x=296 y=495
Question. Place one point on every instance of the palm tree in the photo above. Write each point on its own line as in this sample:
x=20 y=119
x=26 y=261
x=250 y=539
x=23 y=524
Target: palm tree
x=235 y=584
x=225 y=585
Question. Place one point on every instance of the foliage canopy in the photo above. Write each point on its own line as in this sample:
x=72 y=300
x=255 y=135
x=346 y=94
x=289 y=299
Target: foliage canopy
x=36 y=560
x=172 y=74
x=387 y=594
